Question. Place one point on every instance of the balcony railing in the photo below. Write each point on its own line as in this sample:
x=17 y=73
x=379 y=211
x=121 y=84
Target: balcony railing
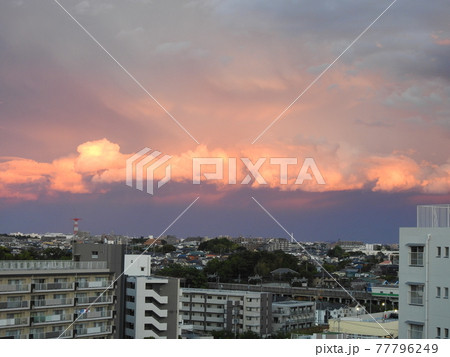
x=95 y=315
x=53 y=286
x=51 y=334
x=93 y=331
x=94 y=285
x=50 y=265
x=43 y=319
x=94 y=300
x=14 y=305
x=52 y=302
x=13 y=322
x=16 y=336
x=11 y=288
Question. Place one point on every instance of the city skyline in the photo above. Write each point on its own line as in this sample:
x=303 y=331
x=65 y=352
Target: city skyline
x=376 y=123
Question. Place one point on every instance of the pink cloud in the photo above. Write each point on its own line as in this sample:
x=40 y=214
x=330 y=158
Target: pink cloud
x=100 y=163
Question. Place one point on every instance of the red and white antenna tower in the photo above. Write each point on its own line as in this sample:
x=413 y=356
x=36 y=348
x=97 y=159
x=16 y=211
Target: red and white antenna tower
x=75 y=225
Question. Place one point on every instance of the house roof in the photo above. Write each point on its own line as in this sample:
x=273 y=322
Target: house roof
x=281 y=271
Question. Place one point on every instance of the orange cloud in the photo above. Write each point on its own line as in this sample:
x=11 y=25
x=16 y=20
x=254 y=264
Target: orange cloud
x=100 y=163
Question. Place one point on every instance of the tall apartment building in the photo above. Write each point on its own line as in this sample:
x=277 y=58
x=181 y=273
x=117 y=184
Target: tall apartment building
x=209 y=310
x=151 y=303
x=424 y=280
x=44 y=299
x=113 y=255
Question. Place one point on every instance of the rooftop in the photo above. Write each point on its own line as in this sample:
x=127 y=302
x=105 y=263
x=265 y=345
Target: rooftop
x=10 y=265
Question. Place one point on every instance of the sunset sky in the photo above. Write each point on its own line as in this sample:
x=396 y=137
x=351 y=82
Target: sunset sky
x=377 y=123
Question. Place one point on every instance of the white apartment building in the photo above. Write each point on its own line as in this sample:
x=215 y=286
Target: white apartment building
x=207 y=310
x=292 y=315
x=424 y=279
x=151 y=303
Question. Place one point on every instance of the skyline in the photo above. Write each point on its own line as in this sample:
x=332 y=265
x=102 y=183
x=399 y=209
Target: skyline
x=377 y=123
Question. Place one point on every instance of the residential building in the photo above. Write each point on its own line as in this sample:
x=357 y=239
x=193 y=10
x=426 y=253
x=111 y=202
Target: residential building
x=236 y=311
x=51 y=299
x=424 y=279
x=290 y=315
x=113 y=255
x=151 y=303
x=325 y=310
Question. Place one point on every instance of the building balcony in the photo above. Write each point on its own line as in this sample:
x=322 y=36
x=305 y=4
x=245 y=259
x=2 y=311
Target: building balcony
x=214 y=310
x=198 y=318
x=93 y=331
x=46 y=303
x=14 y=305
x=8 y=323
x=53 y=287
x=254 y=313
x=50 y=319
x=198 y=309
x=95 y=285
x=198 y=300
x=15 y=336
x=216 y=301
x=11 y=288
x=95 y=300
x=95 y=315
x=52 y=334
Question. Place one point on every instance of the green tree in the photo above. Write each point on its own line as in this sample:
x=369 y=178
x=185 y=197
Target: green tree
x=219 y=246
x=194 y=277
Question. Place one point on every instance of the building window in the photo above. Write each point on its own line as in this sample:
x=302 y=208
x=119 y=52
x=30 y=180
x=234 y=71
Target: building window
x=94 y=254
x=438 y=332
x=438 y=252
x=415 y=331
x=129 y=298
x=446 y=333
x=416 y=295
x=129 y=312
x=438 y=292
x=416 y=256
x=446 y=252
x=131 y=285
x=445 y=293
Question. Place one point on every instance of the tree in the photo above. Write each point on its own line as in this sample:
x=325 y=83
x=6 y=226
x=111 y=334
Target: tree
x=219 y=246
x=223 y=334
x=249 y=335
x=336 y=252
x=5 y=254
x=194 y=278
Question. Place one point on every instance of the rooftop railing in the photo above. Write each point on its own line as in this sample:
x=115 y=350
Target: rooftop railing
x=433 y=216
x=50 y=265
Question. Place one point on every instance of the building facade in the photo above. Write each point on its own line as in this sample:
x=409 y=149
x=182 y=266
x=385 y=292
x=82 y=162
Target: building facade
x=56 y=299
x=207 y=310
x=151 y=303
x=424 y=281
x=292 y=315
